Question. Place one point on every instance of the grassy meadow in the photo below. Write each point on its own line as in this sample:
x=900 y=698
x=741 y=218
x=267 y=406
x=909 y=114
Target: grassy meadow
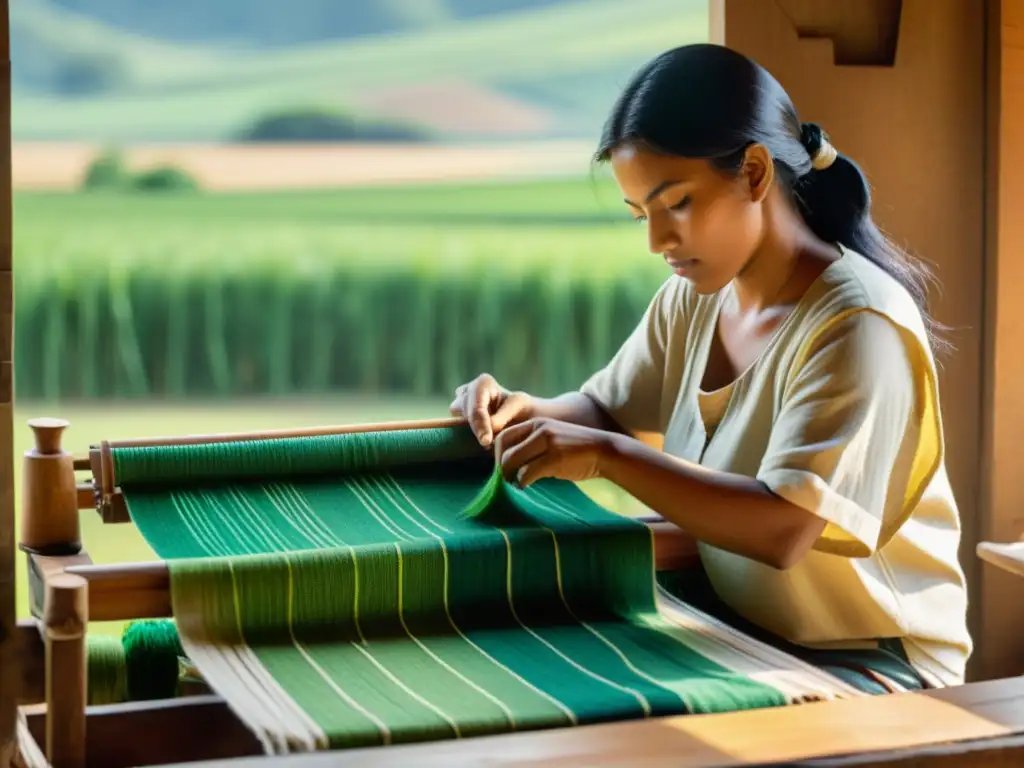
x=404 y=290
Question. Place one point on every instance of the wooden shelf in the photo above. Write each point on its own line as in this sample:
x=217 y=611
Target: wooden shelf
x=1009 y=557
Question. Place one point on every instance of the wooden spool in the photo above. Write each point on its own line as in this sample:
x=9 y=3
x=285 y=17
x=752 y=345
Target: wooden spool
x=49 y=497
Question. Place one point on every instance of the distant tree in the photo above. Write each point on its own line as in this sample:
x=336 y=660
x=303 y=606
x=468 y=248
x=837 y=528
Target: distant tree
x=316 y=124
x=107 y=172
x=164 y=179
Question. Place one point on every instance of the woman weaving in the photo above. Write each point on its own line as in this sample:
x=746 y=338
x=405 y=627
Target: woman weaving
x=788 y=364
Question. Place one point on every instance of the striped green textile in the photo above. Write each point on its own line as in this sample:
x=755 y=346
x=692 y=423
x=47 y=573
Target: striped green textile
x=338 y=594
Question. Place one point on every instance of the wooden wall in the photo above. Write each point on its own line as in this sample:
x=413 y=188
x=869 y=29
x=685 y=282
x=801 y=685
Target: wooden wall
x=907 y=89
x=7 y=535
x=999 y=595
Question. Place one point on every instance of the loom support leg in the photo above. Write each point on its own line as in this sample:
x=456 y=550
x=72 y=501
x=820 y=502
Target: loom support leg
x=65 y=618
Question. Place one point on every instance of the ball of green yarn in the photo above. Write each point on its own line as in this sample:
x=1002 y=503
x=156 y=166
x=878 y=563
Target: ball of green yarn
x=107 y=673
x=152 y=650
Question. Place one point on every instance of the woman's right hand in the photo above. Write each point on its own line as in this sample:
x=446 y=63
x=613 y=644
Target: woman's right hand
x=489 y=407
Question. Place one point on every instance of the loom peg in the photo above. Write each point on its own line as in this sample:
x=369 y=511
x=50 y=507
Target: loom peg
x=65 y=618
x=49 y=517
x=86 y=494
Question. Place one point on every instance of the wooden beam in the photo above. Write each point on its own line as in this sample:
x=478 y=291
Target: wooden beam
x=968 y=726
x=42 y=568
x=1005 y=752
x=862 y=32
x=8 y=648
x=125 y=591
x=1008 y=557
x=160 y=732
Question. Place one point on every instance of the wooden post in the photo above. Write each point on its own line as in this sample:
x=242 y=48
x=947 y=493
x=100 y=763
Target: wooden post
x=1002 y=461
x=65 y=617
x=900 y=87
x=8 y=682
x=49 y=494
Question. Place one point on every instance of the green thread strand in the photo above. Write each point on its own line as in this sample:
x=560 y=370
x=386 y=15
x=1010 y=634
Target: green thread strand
x=107 y=671
x=152 y=650
x=140 y=665
x=290 y=457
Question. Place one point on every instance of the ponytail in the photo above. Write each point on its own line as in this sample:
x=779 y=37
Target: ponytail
x=834 y=200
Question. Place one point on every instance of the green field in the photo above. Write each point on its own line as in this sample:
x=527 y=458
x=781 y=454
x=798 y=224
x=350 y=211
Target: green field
x=91 y=423
x=569 y=58
x=403 y=290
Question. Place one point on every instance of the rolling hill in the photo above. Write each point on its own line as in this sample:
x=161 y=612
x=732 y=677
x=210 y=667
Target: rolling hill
x=261 y=22
x=534 y=69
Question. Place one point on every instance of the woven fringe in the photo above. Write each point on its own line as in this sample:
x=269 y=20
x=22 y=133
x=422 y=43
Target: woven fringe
x=800 y=681
x=28 y=753
x=232 y=670
x=283 y=727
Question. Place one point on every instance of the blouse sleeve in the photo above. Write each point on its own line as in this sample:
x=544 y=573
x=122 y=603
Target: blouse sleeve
x=852 y=441
x=629 y=387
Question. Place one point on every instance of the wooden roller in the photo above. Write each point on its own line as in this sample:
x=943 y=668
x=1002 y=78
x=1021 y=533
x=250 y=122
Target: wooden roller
x=143 y=590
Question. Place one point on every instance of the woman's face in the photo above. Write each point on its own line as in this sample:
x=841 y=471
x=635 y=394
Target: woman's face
x=704 y=223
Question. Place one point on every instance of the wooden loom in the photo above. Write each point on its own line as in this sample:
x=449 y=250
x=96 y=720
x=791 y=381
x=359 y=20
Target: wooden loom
x=978 y=721
x=979 y=724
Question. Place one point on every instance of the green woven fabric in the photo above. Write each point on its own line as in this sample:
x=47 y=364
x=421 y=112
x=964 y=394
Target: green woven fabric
x=383 y=612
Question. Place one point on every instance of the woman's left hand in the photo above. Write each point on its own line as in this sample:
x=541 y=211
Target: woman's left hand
x=541 y=448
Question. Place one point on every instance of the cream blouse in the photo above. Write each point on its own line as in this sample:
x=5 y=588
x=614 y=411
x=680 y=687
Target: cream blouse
x=840 y=416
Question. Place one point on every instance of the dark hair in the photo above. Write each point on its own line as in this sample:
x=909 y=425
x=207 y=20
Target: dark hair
x=707 y=101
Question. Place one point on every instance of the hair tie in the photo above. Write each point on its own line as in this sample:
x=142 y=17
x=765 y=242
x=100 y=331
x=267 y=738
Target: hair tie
x=818 y=146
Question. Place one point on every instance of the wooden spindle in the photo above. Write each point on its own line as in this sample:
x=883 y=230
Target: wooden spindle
x=65 y=618
x=49 y=512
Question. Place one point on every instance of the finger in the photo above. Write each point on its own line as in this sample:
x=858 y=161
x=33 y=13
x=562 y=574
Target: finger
x=545 y=465
x=511 y=436
x=512 y=410
x=481 y=399
x=458 y=404
x=532 y=448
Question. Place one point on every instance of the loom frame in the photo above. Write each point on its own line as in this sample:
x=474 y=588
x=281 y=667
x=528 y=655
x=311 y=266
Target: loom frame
x=68 y=591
